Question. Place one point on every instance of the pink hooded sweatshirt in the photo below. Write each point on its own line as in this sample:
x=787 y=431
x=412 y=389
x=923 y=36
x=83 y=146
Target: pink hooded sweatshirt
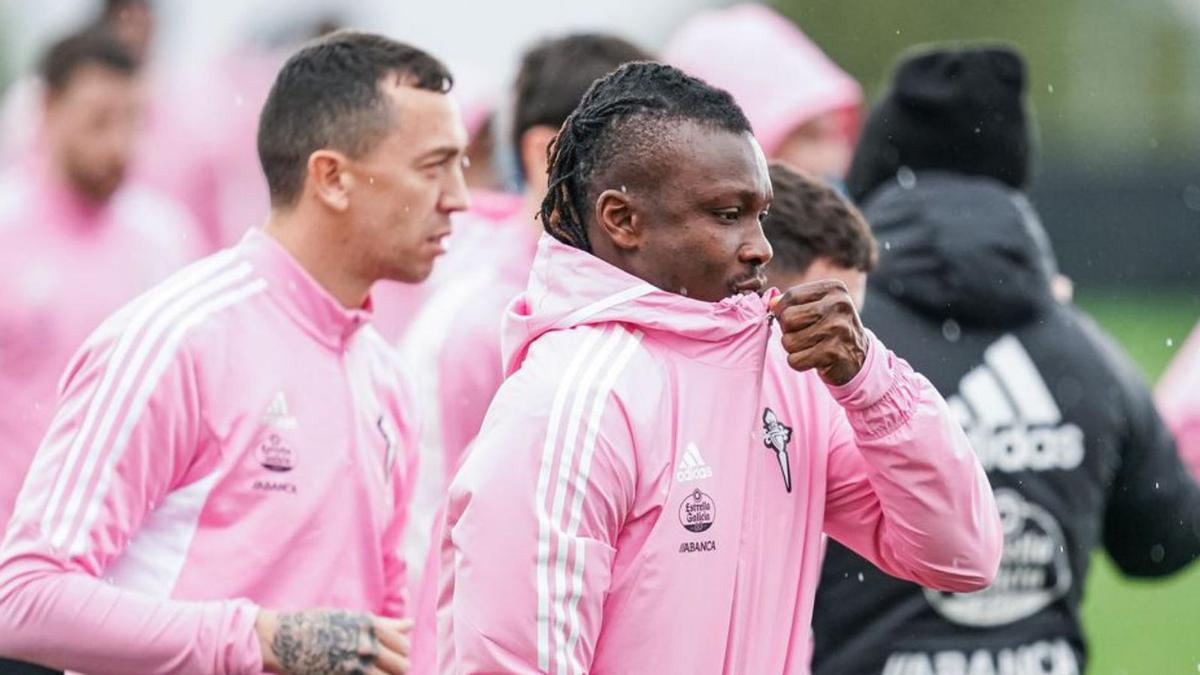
x=233 y=438
x=65 y=264
x=782 y=83
x=651 y=483
x=1179 y=400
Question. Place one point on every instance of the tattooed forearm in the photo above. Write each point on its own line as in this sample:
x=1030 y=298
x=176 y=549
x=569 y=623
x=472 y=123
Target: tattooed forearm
x=308 y=643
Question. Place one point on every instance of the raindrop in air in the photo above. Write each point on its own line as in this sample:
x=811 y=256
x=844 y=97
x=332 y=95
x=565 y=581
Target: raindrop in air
x=906 y=177
x=951 y=330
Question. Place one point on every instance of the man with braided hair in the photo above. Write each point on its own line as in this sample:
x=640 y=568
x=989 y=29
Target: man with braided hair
x=627 y=506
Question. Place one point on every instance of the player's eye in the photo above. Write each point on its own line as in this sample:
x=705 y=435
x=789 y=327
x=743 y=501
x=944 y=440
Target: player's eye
x=729 y=215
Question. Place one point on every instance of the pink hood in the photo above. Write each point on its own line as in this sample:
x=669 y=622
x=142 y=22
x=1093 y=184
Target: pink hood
x=783 y=82
x=569 y=287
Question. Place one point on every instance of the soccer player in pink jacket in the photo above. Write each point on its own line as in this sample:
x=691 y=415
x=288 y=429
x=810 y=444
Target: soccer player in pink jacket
x=235 y=447
x=649 y=489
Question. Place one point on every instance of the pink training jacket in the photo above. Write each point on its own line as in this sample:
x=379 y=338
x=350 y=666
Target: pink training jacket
x=1178 y=398
x=66 y=264
x=651 y=483
x=234 y=438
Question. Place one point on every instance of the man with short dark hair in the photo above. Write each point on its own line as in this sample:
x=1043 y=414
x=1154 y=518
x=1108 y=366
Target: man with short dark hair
x=816 y=234
x=1060 y=419
x=649 y=488
x=235 y=447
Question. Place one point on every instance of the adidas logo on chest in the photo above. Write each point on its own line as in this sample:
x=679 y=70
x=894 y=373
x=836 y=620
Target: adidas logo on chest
x=277 y=415
x=692 y=466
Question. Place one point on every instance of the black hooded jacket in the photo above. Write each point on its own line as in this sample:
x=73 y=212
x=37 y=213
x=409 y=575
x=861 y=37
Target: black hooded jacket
x=1062 y=422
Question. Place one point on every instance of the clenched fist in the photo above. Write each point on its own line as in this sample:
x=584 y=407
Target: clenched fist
x=821 y=330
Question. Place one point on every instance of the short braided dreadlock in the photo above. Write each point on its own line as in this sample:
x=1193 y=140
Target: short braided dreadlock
x=621 y=117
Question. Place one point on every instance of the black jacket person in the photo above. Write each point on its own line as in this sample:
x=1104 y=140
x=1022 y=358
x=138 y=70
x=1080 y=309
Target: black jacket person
x=1065 y=428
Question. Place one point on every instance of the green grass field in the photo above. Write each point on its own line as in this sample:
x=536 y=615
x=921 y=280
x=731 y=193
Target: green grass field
x=1138 y=627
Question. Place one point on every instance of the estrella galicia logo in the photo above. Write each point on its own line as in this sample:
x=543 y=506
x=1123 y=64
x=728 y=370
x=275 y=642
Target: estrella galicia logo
x=776 y=435
x=274 y=455
x=697 y=512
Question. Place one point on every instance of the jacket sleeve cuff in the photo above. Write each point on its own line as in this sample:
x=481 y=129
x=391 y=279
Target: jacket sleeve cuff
x=869 y=384
x=882 y=396
x=241 y=652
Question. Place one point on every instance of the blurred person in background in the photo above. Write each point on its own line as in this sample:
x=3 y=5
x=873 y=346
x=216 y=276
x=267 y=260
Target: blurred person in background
x=77 y=238
x=195 y=122
x=129 y=22
x=1178 y=398
x=480 y=99
x=804 y=108
x=654 y=457
x=1062 y=422
x=464 y=315
x=236 y=447
x=816 y=234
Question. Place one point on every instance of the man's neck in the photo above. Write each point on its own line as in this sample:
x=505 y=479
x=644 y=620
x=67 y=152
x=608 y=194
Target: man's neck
x=325 y=259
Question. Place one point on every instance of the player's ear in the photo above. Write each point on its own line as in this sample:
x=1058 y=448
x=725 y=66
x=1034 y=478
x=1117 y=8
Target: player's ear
x=329 y=179
x=619 y=219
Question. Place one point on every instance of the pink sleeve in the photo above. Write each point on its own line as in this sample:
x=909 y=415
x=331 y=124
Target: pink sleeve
x=905 y=490
x=1178 y=399
x=127 y=432
x=532 y=525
